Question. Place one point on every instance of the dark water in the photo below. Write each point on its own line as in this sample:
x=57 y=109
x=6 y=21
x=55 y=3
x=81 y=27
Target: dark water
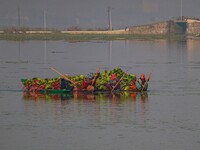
x=166 y=117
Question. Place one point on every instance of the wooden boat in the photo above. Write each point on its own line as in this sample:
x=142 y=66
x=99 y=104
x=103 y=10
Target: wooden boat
x=67 y=90
x=54 y=85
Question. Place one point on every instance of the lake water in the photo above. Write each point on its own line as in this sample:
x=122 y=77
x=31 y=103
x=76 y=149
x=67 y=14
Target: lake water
x=166 y=117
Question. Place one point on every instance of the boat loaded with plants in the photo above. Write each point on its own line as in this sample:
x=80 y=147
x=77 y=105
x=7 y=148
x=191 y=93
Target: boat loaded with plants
x=126 y=81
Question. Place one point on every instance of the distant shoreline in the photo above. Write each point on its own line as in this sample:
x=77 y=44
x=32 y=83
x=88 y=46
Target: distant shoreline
x=122 y=31
x=178 y=29
x=84 y=36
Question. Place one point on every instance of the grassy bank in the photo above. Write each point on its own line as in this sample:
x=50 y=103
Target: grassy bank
x=79 y=37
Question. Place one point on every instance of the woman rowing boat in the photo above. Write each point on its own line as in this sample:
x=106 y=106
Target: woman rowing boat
x=142 y=82
x=89 y=82
x=113 y=84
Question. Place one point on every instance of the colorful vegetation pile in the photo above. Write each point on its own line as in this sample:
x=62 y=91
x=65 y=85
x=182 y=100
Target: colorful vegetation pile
x=37 y=84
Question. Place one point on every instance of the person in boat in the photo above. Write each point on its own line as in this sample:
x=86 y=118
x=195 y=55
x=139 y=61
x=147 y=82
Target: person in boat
x=65 y=84
x=89 y=82
x=113 y=84
x=142 y=83
x=133 y=85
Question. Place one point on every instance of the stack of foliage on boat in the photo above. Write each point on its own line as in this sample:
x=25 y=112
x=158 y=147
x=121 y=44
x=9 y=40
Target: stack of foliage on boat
x=38 y=84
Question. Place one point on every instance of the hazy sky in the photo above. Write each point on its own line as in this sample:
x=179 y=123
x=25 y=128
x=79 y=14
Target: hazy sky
x=93 y=13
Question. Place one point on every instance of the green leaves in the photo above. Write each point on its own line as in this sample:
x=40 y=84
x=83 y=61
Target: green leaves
x=104 y=78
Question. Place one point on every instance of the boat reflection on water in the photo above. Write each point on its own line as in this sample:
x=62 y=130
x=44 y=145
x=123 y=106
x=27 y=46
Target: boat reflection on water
x=88 y=97
x=99 y=108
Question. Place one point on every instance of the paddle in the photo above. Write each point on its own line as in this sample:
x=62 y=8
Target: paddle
x=63 y=76
x=119 y=81
x=98 y=70
x=90 y=88
x=147 y=81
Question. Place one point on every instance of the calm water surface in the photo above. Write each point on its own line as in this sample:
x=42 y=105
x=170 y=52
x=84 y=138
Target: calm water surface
x=166 y=117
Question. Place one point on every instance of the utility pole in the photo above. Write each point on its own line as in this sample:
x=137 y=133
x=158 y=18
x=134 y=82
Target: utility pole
x=45 y=24
x=109 y=18
x=19 y=19
x=181 y=9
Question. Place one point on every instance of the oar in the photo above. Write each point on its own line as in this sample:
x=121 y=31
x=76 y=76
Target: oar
x=119 y=81
x=147 y=81
x=98 y=70
x=149 y=76
x=64 y=76
x=90 y=88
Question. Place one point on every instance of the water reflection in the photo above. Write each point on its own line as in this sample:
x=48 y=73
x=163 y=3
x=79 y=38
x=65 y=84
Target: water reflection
x=98 y=110
x=110 y=53
x=170 y=108
x=118 y=97
x=20 y=54
x=193 y=50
